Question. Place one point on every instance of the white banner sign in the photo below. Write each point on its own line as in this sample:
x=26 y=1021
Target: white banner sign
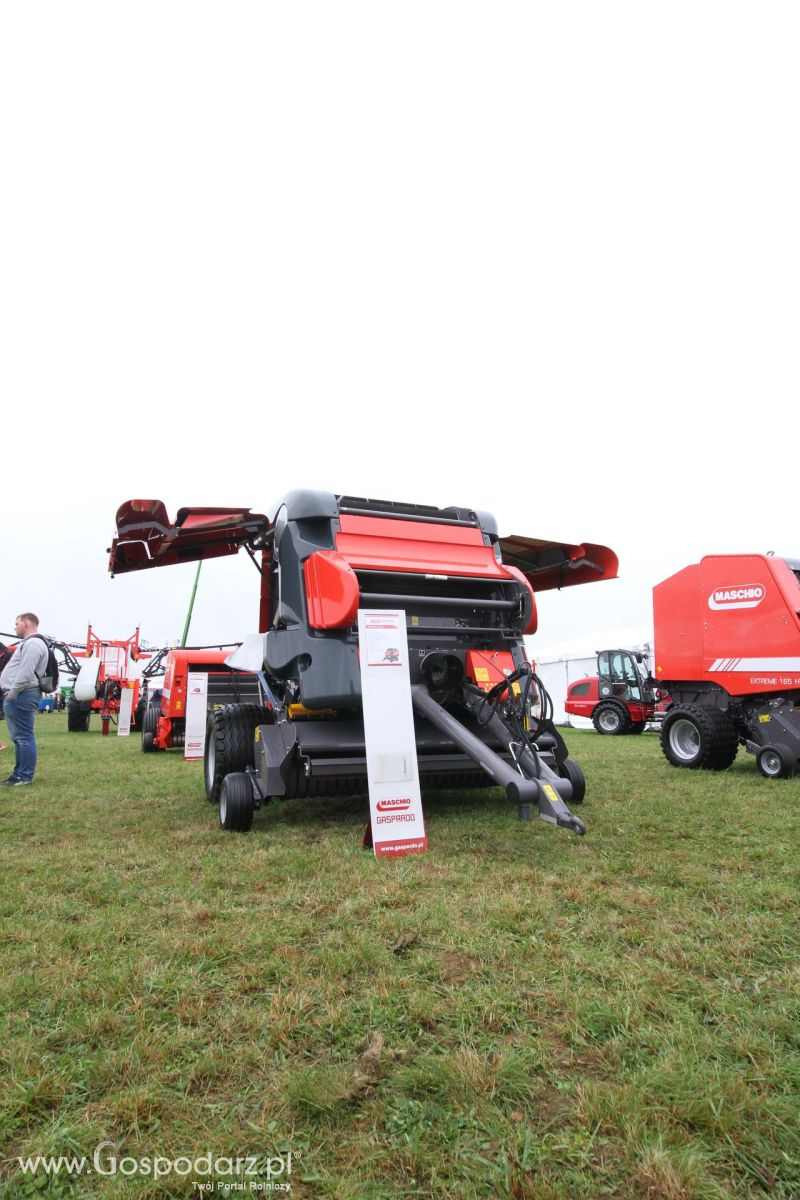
x=125 y=711
x=398 y=826
x=194 y=743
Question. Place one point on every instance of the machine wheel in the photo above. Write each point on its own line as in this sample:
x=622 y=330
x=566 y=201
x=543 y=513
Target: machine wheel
x=150 y=719
x=138 y=715
x=229 y=743
x=611 y=718
x=78 y=713
x=699 y=738
x=637 y=727
x=147 y=742
x=776 y=762
x=236 y=803
x=570 y=770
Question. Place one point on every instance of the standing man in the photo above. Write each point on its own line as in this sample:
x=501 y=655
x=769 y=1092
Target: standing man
x=21 y=692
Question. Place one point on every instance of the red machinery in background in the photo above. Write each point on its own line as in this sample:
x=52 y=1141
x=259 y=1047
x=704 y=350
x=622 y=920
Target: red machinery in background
x=621 y=697
x=164 y=721
x=103 y=674
x=727 y=642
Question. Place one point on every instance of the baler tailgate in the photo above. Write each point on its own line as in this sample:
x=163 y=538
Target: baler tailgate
x=147 y=538
x=548 y=565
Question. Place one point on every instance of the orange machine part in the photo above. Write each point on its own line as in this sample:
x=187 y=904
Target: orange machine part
x=486 y=668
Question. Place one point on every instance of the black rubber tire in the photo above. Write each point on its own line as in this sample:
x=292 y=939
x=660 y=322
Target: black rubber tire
x=611 y=718
x=230 y=745
x=236 y=805
x=776 y=762
x=149 y=721
x=78 y=714
x=699 y=738
x=147 y=742
x=570 y=770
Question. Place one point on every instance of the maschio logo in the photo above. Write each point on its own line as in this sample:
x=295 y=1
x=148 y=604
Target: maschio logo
x=742 y=595
x=394 y=805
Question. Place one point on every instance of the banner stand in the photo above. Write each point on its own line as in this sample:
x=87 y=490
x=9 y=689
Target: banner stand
x=194 y=743
x=125 y=710
x=397 y=825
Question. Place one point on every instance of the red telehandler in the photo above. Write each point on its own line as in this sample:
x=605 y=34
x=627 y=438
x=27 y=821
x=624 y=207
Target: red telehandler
x=727 y=648
x=468 y=595
x=621 y=697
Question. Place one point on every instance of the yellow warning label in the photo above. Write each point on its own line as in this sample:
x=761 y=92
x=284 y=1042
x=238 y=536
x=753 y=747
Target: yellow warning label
x=763 y=719
x=481 y=675
x=258 y=733
x=177 y=705
x=550 y=792
x=415 y=620
x=515 y=688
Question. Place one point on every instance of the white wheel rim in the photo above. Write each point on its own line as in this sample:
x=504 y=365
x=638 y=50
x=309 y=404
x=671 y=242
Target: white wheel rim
x=684 y=740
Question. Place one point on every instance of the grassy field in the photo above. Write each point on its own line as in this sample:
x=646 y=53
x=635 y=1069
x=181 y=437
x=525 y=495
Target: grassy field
x=519 y=1013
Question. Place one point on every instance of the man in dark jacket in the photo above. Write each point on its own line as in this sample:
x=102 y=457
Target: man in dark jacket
x=21 y=692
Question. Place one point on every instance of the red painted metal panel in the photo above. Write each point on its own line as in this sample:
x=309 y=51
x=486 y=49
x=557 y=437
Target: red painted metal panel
x=385 y=544
x=331 y=591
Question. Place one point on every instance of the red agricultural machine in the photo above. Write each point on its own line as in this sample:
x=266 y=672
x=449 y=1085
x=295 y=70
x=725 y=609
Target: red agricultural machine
x=164 y=722
x=468 y=595
x=621 y=697
x=103 y=673
x=727 y=648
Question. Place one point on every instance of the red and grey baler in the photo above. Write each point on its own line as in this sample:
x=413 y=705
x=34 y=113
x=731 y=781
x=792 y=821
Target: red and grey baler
x=468 y=595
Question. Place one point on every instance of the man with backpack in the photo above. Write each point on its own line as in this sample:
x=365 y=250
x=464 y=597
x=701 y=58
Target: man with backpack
x=22 y=681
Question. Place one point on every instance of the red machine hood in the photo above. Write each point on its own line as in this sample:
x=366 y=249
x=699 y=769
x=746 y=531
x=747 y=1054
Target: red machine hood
x=147 y=538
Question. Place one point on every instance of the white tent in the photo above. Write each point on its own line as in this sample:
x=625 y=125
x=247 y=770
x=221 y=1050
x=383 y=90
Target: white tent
x=560 y=665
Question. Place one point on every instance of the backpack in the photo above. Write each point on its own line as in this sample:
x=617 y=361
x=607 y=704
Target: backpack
x=5 y=655
x=48 y=682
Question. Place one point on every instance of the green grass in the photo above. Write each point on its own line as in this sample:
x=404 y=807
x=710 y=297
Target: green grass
x=519 y=1013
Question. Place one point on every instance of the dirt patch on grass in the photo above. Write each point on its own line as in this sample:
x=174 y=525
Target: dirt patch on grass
x=458 y=968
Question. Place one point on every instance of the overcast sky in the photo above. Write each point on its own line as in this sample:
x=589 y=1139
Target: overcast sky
x=540 y=259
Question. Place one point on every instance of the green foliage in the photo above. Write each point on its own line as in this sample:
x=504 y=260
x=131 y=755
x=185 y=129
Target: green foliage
x=517 y=1013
